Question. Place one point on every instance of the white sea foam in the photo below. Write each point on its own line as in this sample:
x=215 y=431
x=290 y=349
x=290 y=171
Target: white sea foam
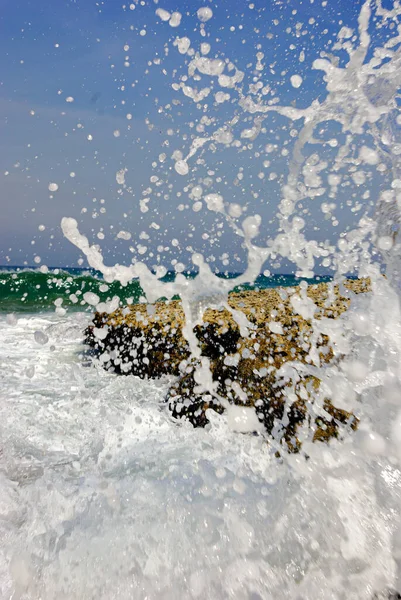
x=103 y=495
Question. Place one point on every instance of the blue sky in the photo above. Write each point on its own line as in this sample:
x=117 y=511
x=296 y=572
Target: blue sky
x=51 y=51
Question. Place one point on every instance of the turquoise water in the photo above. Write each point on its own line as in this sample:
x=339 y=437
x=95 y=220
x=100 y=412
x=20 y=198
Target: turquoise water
x=31 y=290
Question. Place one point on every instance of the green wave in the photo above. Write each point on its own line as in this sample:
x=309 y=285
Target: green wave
x=31 y=290
x=34 y=291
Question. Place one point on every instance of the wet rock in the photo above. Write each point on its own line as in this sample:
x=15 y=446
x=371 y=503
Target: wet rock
x=280 y=407
x=147 y=341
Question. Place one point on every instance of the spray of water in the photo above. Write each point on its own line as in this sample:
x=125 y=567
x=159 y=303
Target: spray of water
x=361 y=97
x=333 y=522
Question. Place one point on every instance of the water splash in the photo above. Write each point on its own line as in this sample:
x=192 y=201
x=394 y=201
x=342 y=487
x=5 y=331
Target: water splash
x=333 y=521
x=361 y=96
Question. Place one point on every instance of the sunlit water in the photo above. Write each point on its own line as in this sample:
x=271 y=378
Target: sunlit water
x=104 y=496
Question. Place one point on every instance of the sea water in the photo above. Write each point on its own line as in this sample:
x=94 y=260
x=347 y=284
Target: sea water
x=105 y=496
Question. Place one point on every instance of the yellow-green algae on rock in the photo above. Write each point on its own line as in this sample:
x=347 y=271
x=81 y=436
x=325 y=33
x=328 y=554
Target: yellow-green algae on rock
x=147 y=341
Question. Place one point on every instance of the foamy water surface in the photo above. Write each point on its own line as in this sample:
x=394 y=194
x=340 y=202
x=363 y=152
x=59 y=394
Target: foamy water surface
x=104 y=496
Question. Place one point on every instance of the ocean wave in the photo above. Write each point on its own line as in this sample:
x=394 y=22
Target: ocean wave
x=28 y=290
x=33 y=290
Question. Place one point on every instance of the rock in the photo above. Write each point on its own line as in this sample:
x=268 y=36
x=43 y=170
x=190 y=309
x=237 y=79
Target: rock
x=267 y=395
x=147 y=341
